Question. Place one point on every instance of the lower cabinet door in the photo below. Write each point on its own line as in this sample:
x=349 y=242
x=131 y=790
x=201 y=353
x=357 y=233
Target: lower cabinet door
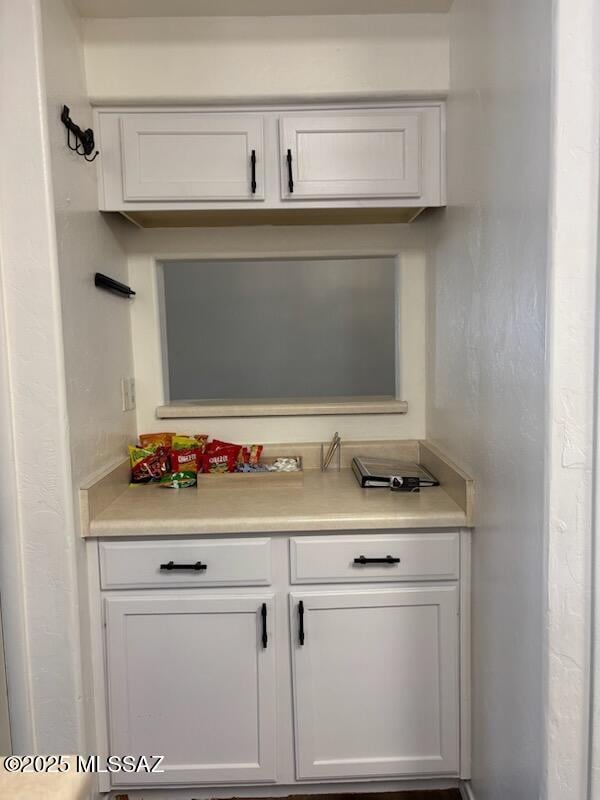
x=192 y=678
x=376 y=682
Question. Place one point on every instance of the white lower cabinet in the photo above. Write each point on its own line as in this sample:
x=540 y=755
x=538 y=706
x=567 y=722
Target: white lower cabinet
x=202 y=674
x=376 y=682
x=190 y=678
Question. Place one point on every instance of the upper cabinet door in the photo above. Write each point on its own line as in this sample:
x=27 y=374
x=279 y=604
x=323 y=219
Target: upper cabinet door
x=352 y=155
x=192 y=157
x=192 y=678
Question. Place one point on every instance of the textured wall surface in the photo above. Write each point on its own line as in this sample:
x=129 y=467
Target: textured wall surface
x=37 y=559
x=572 y=326
x=183 y=60
x=96 y=325
x=486 y=378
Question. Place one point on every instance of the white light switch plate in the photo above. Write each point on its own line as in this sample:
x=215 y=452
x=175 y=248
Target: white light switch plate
x=132 y=394
x=127 y=394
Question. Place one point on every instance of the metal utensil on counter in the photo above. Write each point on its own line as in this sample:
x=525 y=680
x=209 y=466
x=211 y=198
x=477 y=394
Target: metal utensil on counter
x=334 y=447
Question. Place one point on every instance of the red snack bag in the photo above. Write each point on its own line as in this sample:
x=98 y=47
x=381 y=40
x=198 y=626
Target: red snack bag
x=250 y=455
x=221 y=459
x=148 y=465
x=219 y=443
x=187 y=460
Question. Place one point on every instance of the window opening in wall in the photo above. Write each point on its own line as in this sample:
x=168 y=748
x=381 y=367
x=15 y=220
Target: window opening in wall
x=279 y=329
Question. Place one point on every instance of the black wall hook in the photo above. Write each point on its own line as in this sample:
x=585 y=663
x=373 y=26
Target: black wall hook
x=111 y=285
x=84 y=140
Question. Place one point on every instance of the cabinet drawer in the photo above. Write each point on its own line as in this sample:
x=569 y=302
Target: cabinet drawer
x=398 y=557
x=210 y=562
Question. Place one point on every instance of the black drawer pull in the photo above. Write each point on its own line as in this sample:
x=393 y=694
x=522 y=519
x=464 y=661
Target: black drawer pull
x=290 y=176
x=386 y=560
x=198 y=566
x=301 y=622
x=263 y=614
x=253 y=163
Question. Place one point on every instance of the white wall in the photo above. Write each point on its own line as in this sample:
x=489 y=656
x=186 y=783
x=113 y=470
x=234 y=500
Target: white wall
x=181 y=60
x=572 y=419
x=486 y=373
x=97 y=331
x=56 y=429
x=145 y=247
x=37 y=558
x=96 y=325
x=195 y=60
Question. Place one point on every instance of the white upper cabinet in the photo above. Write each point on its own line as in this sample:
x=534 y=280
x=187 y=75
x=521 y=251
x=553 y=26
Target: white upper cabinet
x=350 y=154
x=192 y=157
x=385 y=163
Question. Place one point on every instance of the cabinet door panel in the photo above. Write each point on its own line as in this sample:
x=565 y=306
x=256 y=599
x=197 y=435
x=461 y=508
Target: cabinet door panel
x=352 y=155
x=376 y=683
x=189 y=679
x=191 y=157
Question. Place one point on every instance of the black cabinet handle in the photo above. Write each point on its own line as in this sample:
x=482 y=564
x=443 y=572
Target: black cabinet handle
x=301 y=622
x=386 y=560
x=253 y=163
x=290 y=176
x=263 y=614
x=198 y=566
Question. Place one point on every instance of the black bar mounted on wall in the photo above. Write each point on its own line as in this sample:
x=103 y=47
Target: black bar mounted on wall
x=111 y=285
x=84 y=140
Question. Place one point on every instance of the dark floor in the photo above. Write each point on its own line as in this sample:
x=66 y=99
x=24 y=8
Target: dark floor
x=427 y=794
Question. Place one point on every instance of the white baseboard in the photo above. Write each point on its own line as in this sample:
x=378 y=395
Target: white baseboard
x=466 y=791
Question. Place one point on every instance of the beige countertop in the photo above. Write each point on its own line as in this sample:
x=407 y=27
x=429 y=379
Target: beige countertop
x=45 y=786
x=323 y=502
x=326 y=501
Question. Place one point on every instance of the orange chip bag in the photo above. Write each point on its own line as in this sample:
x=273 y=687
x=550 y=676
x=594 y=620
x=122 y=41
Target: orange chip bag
x=156 y=439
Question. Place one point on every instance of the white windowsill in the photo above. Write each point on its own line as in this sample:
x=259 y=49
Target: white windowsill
x=288 y=407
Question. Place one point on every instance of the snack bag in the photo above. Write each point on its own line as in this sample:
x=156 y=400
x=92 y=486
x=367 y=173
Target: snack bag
x=178 y=480
x=228 y=448
x=255 y=454
x=220 y=458
x=249 y=457
x=219 y=443
x=148 y=465
x=156 y=440
x=185 y=442
x=202 y=439
x=188 y=460
x=186 y=454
